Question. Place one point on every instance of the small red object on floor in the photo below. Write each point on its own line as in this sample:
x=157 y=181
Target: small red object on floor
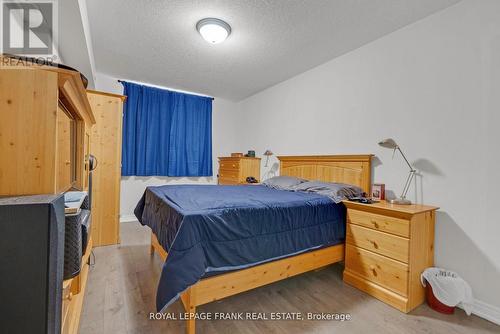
x=435 y=304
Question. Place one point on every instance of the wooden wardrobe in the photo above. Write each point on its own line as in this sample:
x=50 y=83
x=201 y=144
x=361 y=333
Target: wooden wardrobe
x=106 y=146
x=45 y=129
x=45 y=125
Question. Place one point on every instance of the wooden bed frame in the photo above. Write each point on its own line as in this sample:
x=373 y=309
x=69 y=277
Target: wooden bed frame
x=351 y=169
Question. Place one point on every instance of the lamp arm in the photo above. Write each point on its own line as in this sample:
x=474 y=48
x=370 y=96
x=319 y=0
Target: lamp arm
x=408 y=183
x=404 y=157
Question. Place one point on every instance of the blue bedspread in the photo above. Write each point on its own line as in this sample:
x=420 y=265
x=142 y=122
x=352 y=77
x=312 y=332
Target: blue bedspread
x=208 y=228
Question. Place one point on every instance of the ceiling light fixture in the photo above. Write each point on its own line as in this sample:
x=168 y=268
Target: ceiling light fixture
x=213 y=30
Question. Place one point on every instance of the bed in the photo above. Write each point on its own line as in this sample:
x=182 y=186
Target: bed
x=223 y=240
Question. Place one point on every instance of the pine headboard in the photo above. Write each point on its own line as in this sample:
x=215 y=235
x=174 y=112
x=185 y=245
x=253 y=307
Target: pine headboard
x=350 y=169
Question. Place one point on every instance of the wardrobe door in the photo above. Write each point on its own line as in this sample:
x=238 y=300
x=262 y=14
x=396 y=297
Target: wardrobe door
x=64 y=160
x=28 y=123
x=106 y=146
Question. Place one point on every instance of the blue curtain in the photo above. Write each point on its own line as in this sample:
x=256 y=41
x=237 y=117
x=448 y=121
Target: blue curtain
x=166 y=133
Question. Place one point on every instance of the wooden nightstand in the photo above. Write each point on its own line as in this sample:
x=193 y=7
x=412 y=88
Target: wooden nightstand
x=235 y=170
x=387 y=248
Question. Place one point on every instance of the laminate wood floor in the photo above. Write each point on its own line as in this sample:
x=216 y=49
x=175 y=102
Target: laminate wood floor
x=122 y=284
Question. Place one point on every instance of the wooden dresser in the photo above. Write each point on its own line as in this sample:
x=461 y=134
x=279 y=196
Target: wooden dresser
x=387 y=248
x=235 y=170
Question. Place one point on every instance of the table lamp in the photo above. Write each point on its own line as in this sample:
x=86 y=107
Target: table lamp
x=267 y=153
x=390 y=143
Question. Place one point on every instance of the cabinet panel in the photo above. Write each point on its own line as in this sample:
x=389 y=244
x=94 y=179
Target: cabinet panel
x=65 y=161
x=106 y=146
x=27 y=138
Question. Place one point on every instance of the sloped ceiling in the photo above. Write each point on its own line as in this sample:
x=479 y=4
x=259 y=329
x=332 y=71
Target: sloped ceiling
x=156 y=41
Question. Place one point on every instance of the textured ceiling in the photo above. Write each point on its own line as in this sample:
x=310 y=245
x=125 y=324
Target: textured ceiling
x=155 y=41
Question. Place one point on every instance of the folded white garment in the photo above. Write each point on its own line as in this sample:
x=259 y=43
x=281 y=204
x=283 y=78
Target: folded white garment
x=449 y=288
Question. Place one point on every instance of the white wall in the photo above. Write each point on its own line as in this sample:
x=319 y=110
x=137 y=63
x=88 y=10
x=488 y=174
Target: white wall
x=434 y=86
x=223 y=119
x=75 y=45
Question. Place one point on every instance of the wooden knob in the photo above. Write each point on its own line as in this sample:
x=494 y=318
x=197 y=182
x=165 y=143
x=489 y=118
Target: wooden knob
x=234 y=165
x=69 y=296
x=375 y=224
x=67 y=162
x=374 y=272
x=374 y=244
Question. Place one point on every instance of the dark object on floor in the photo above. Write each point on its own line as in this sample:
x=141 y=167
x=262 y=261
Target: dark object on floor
x=435 y=304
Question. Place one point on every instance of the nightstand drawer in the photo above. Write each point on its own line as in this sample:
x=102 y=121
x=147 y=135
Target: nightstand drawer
x=224 y=180
x=231 y=165
x=379 y=222
x=379 y=269
x=382 y=243
x=229 y=174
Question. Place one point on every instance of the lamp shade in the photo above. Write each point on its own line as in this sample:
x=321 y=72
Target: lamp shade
x=388 y=143
x=268 y=152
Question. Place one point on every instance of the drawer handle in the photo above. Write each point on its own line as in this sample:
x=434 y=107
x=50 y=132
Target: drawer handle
x=374 y=244
x=375 y=224
x=374 y=272
x=234 y=165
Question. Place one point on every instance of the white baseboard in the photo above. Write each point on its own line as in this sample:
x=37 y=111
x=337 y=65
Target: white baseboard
x=486 y=311
x=127 y=218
